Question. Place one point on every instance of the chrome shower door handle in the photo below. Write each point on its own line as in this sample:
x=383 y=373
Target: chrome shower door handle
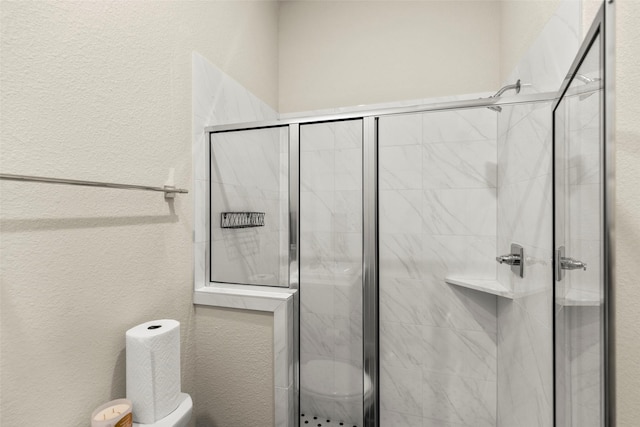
x=572 y=264
x=510 y=259
x=515 y=259
x=566 y=263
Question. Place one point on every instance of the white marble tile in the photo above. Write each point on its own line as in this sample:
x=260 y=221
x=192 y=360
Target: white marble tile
x=317 y=137
x=348 y=134
x=400 y=167
x=348 y=339
x=525 y=379
x=347 y=297
x=316 y=211
x=589 y=252
x=405 y=129
x=292 y=339
x=391 y=418
x=200 y=155
x=316 y=255
x=460 y=256
x=281 y=412
x=584 y=212
x=460 y=165
x=317 y=334
x=348 y=254
x=317 y=170
x=585 y=365
x=460 y=211
x=400 y=211
x=584 y=162
x=535 y=209
x=401 y=255
x=317 y=297
x=459 y=400
x=200 y=263
x=401 y=389
x=525 y=149
x=480 y=257
x=401 y=345
x=401 y=300
x=459 y=125
x=348 y=169
x=281 y=347
x=458 y=352
x=443 y=255
x=261 y=298
x=347 y=211
x=454 y=307
x=431 y=422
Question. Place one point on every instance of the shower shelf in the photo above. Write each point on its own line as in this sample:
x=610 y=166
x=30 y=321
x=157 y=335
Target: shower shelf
x=241 y=219
x=482 y=285
x=581 y=298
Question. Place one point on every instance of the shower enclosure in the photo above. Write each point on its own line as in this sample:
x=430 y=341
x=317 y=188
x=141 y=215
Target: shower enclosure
x=389 y=224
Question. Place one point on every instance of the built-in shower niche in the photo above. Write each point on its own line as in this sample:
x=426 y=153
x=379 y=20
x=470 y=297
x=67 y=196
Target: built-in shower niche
x=249 y=206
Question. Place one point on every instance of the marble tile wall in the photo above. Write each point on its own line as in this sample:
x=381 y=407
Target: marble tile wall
x=437 y=217
x=246 y=176
x=217 y=99
x=525 y=324
x=331 y=270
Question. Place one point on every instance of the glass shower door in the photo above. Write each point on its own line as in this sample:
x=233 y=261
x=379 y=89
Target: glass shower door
x=579 y=250
x=331 y=224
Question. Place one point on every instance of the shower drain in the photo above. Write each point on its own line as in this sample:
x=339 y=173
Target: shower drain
x=315 y=421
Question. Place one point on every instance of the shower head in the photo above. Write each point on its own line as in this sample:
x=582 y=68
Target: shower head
x=516 y=86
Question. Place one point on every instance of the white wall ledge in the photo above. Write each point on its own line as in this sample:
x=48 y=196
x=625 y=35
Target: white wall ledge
x=248 y=297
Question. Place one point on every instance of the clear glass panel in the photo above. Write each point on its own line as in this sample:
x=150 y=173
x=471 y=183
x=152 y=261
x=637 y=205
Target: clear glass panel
x=579 y=247
x=249 y=177
x=331 y=376
x=437 y=218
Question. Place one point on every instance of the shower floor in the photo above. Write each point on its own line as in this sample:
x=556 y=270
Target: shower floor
x=315 y=421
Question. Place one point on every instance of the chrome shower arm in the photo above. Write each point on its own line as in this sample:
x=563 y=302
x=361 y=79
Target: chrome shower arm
x=516 y=86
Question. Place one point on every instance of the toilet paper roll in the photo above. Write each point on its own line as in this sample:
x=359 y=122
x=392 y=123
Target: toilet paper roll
x=153 y=369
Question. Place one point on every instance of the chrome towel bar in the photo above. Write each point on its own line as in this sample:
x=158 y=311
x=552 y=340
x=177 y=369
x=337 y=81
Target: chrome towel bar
x=169 y=191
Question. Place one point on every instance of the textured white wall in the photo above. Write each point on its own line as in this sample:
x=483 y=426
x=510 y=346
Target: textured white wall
x=340 y=53
x=102 y=91
x=627 y=211
x=225 y=397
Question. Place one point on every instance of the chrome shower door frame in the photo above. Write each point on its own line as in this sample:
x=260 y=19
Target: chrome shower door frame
x=603 y=26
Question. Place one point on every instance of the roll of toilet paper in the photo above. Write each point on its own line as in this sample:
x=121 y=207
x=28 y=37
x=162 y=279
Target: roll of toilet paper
x=153 y=369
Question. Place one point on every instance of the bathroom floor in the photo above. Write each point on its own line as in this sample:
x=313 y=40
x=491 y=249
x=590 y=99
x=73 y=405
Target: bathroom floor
x=312 y=420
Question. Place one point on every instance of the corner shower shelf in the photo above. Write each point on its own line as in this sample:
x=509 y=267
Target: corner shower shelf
x=482 y=285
